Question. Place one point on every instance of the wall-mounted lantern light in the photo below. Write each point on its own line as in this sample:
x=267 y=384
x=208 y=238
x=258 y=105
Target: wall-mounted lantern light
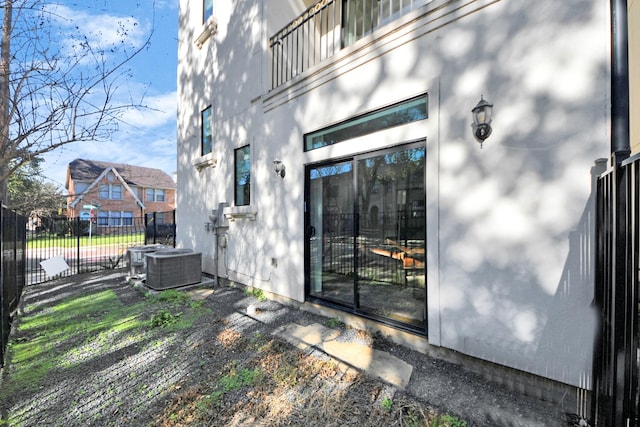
x=482 y=120
x=278 y=166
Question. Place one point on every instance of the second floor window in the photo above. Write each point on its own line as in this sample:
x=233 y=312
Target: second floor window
x=206 y=137
x=80 y=187
x=155 y=195
x=207 y=9
x=243 y=176
x=361 y=17
x=110 y=191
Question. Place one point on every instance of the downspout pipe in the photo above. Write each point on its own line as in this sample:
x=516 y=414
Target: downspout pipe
x=620 y=130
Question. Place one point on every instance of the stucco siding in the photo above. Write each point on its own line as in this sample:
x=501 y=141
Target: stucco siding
x=509 y=226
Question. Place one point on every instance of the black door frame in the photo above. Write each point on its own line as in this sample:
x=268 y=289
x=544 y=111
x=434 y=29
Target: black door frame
x=354 y=307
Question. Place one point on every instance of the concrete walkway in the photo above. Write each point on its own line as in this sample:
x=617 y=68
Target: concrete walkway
x=376 y=363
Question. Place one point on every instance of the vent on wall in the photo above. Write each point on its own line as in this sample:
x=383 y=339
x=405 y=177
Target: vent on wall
x=172 y=268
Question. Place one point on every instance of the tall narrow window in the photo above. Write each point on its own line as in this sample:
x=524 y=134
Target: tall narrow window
x=116 y=192
x=207 y=9
x=103 y=191
x=243 y=176
x=206 y=131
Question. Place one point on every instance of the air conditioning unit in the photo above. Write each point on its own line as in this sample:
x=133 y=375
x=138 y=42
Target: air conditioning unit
x=136 y=258
x=173 y=268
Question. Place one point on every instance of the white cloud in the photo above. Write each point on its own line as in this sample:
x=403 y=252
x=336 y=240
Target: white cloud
x=103 y=31
x=161 y=109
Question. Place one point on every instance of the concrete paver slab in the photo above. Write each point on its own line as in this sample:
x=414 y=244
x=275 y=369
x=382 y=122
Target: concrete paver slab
x=376 y=363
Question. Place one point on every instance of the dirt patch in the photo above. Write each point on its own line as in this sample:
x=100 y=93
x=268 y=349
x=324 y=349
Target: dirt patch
x=93 y=350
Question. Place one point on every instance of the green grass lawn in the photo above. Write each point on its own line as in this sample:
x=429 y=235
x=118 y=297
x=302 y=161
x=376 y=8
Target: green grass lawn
x=61 y=340
x=50 y=240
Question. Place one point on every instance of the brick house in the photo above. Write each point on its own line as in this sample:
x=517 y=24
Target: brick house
x=122 y=192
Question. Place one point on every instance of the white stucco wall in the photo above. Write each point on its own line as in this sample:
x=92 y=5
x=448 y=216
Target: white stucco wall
x=509 y=255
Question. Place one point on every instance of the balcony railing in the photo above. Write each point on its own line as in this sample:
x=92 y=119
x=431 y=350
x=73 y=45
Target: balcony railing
x=305 y=41
x=325 y=28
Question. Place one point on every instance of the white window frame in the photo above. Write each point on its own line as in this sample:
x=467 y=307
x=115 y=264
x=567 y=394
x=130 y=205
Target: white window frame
x=109 y=189
x=157 y=195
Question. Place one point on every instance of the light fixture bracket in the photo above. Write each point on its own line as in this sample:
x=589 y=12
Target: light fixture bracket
x=482 y=120
x=279 y=168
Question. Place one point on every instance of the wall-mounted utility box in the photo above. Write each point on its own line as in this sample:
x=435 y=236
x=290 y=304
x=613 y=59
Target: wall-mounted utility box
x=222 y=220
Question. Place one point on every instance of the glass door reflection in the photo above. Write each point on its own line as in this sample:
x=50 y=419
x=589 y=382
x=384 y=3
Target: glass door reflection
x=331 y=232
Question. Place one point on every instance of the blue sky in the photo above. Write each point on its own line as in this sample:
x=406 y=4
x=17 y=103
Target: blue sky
x=145 y=137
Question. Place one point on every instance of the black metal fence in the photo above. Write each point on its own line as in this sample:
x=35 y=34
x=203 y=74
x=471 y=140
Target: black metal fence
x=383 y=254
x=12 y=263
x=307 y=40
x=616 y=399
x=83 y=245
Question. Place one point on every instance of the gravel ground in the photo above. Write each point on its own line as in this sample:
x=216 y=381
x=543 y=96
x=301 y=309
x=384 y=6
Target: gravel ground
x=216 y=365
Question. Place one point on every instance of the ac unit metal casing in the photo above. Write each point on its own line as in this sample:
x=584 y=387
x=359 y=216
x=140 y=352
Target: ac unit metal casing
x=173 y=268
x=136 y=258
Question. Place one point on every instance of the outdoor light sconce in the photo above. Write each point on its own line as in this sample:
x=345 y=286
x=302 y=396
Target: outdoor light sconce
x=482 y=120
x=278 y=166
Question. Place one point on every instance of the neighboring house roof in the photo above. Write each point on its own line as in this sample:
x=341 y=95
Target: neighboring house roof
x=93 y=171
x=89 y=170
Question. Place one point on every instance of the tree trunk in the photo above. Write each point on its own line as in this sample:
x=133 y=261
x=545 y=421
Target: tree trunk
x=5 y=92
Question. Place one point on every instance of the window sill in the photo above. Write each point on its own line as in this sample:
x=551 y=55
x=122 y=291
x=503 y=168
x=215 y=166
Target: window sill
x=206 y=161
x=210 y=28
x=240 y=212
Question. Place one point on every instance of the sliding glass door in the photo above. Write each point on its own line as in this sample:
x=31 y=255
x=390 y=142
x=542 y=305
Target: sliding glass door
x=366 y=222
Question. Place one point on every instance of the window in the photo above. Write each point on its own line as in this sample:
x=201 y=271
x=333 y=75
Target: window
x=103 y=191
x=116 y=192
x=80 y=187
x=157 y=217
x=110 y=191
x=243 y=176
x=115 y=218
x=206 y=138
x=207 y=9
x=127 y=218
x=155 y=195
x=103 y=218
x=395 y=115
x=362 y=17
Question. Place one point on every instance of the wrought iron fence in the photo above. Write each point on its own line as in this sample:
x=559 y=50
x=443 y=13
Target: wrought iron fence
x=86 y=245
x=380 y=254
x=12 y=279
x=616 y=400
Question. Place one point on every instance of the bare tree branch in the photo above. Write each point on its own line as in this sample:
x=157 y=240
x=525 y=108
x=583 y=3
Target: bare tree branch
x=56 y=87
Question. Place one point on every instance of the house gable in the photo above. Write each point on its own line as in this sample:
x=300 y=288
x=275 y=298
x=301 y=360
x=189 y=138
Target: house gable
x=99 y=179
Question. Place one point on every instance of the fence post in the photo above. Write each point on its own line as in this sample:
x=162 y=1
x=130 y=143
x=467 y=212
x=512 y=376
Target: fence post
x=175 y=228
x=3 y=304
x=78 y=233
